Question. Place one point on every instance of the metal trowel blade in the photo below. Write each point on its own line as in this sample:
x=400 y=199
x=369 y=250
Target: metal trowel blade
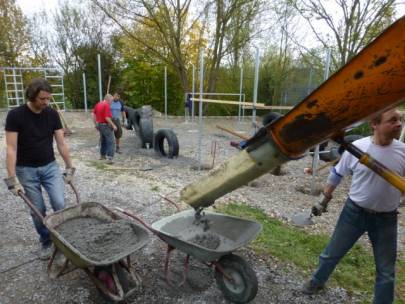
x=302 y=219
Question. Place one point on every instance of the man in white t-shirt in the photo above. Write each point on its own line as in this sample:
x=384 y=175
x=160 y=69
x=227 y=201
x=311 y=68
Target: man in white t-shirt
x=370 y=207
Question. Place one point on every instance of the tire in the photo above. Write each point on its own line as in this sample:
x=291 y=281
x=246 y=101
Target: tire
x=136 y=121
x=270 y=117
x=349 y=138
x=159 y=143
x=123 y=279
x=246 y=285
x=146 y=132
x=130 y=116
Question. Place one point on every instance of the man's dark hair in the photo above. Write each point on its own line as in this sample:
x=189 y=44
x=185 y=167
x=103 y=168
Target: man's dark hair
x=35 y=86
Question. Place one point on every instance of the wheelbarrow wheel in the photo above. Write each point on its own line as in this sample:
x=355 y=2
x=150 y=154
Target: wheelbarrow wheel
x=108 y=280
x=242 y=288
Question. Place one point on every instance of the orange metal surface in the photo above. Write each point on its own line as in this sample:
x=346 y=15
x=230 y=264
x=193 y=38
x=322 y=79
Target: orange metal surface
x=372 y=81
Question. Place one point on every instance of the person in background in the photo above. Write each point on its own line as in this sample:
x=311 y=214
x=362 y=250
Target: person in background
x=102 y=119
x=371 y=207
x=30 y=159
x=118 y=115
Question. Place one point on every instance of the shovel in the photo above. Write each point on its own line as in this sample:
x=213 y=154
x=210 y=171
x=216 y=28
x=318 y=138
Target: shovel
x=302 y=219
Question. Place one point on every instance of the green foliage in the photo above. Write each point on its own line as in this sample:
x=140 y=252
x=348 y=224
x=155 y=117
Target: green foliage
x=355 y=272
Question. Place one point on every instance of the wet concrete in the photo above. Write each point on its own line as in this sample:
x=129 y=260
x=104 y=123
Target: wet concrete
x=98 y=239
x=206 y=240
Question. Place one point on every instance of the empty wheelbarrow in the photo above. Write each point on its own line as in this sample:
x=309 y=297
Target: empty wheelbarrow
x=211 y=238
x=105 y=256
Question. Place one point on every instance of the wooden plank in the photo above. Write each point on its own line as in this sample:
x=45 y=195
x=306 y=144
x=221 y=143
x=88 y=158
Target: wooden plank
x=227 y=102
x=271 y=107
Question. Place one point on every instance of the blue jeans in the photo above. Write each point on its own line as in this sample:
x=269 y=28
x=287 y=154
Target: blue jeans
x=382 y=232
x=107 y=144
x=49 y=177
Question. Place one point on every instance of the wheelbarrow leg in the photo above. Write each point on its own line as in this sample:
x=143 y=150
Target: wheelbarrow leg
x=50 y=264
x=185 y=270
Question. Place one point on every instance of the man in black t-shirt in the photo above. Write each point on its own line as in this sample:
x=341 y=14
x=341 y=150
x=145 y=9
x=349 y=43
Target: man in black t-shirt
x=30 y=130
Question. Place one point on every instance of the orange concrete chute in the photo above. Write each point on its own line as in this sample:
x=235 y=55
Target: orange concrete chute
x=371 y=82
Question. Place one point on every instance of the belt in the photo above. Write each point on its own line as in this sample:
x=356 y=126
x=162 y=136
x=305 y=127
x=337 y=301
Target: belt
x=102 y=123
x=371 y=211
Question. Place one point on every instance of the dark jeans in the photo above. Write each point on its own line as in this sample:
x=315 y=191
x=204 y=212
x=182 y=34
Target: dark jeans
x=382 y=232
x=107 y=141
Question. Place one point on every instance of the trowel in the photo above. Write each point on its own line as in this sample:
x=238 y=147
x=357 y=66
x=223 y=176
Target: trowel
x=303 y=219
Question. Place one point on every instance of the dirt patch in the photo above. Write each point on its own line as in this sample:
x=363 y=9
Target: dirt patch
x=98 y=239
x=206 y=240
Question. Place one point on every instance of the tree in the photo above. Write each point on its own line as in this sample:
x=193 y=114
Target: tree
x=78 y=34
x=161 y=28
x=233 y=30
x=13 y=36
x=352 y=24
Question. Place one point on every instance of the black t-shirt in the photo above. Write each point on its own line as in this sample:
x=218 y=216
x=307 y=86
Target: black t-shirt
x=35 y=134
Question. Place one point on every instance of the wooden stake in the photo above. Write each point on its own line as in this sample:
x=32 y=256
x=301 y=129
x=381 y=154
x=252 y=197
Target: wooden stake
x=233 y=132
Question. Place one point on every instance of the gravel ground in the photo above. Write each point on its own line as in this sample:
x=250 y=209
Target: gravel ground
x=134 y=182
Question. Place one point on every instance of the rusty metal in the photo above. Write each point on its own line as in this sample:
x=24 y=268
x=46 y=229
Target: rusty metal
x=370 y=83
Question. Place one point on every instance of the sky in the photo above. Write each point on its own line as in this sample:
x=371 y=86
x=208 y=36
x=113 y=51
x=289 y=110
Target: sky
x=29 y=7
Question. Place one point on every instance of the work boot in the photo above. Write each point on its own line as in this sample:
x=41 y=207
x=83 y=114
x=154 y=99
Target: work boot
x=109 y=161
x=102 y=157
x=310 y=287
x=46 y=251
x=118 y=150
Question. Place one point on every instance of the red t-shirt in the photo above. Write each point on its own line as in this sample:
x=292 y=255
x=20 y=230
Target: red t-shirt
x=102 y=111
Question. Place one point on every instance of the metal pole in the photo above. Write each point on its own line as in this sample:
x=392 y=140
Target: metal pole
x=165 y=92
x=315 y=159
x=256 y=84
x=192 y=95
x=240 y=92
x=200 y=108
x=84 y=92
x=100 y=89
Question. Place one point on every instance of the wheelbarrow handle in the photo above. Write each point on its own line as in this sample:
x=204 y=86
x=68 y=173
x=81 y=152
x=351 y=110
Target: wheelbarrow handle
x=76 y=192
x=31 y=205
x=137 y=218
x=35 y=210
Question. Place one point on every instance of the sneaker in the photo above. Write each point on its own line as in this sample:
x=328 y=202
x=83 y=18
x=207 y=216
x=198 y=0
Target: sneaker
x=109 y=162
x=310 y=288
x=118 y=150
x=102 y=157
x=46 y=251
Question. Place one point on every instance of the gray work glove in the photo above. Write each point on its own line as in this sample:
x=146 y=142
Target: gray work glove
x=13 y=185
x=321 y=206
x=68 y=175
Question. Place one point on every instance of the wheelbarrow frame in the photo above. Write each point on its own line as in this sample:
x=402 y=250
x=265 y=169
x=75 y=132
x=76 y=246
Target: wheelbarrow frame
x=224 y=262
x=115 y=265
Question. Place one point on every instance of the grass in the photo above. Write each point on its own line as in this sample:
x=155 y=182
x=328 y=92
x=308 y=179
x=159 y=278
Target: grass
x=97 y=164
x=355 y=272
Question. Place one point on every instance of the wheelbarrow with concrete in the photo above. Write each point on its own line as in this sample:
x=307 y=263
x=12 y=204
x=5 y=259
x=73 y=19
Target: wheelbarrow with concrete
x=210 y=238
x=91 y=237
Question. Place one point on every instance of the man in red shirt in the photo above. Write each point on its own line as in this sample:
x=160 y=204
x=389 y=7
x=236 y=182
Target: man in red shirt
x=104 y=124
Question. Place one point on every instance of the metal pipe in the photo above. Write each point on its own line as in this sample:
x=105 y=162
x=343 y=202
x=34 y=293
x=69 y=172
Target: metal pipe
x=240 y=94
x=200 y=108
x=100 y=89
x=165 y=92
x=84 y=92
x=315 y=159
x=255 y=87
x=193 y=90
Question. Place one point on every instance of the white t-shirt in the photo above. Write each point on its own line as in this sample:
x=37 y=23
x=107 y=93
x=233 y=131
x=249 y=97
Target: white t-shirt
x=368 y=189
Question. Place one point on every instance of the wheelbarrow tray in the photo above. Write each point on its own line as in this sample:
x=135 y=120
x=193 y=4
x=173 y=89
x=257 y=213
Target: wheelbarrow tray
x=233 y=232
x=93 y=210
